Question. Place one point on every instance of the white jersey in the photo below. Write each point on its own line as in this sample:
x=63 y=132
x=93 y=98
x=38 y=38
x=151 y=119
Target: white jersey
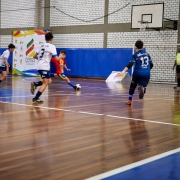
x=4 y=55
x=45 y=54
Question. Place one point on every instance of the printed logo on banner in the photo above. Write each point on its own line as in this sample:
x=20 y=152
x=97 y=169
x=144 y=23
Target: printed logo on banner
x=30 y=52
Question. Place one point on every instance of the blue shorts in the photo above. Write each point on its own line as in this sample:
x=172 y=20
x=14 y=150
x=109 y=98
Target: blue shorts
x=2 y=69
x=44 y=74
x=62 y=76
x=141 y=81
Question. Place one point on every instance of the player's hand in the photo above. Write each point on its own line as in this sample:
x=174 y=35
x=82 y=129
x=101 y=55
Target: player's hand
x=120 y=74
x=68 y=69
x=55 y=75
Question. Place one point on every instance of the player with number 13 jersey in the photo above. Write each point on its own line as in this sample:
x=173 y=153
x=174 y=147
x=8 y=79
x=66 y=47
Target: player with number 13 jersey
x=142 y=63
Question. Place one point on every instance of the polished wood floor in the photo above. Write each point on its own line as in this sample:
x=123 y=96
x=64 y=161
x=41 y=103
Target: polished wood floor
x=76 y=135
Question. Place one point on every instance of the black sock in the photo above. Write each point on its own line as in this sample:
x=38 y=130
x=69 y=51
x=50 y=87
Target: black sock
x=38 y=95
x=38 y=83
x=178 y=80
x=0 y=81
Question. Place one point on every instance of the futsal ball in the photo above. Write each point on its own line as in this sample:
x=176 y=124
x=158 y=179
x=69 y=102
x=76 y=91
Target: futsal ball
x=78 y=86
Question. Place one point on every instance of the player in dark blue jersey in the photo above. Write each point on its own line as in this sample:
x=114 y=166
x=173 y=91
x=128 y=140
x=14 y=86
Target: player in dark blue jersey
x=142 y=66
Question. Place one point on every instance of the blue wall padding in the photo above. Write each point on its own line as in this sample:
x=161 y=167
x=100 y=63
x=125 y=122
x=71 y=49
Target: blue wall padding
x=96 y=62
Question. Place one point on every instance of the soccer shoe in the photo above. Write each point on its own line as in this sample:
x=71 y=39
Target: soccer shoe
x=76 y=88
x=129 y=102
x=141 y=92
x=37 y=100
x=33 y=87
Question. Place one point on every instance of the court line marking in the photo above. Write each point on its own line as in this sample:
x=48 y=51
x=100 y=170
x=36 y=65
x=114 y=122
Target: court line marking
x=91 y=113
x=133 y=165
x=83 y=112
x=135 y=119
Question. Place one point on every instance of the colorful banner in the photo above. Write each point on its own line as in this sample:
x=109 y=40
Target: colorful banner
x=27 y=44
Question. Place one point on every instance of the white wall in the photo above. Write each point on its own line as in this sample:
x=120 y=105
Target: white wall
x=82 y=9
x=88 y=40
x=21 y=13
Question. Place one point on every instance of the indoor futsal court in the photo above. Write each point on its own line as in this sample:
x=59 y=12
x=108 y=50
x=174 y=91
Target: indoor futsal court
x=112 y=110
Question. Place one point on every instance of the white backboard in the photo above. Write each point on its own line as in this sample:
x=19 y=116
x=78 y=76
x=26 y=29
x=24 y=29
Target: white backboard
x=147 y=15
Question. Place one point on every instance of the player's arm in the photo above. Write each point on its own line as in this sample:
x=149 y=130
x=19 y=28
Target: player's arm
x=57 y=58
x=35 y=56
x=66 y=66
x=54 y=53
x=150 y=62
x=129 y=66
x=174 y=65
x=7 y=65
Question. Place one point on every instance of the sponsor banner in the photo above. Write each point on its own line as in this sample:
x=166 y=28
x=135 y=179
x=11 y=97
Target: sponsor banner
x=27 y=44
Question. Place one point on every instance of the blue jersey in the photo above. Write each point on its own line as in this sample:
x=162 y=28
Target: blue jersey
x=142 y=64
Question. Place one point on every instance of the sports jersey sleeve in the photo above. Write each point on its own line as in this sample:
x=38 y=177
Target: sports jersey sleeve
x=53 y=51
x=6 y=54
x=131 y=62
x=53 y=60
x=150 y=62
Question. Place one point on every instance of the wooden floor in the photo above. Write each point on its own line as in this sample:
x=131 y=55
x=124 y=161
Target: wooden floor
x=76 y=135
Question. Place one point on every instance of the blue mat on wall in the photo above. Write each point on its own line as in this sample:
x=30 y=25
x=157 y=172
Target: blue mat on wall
x=95 y=62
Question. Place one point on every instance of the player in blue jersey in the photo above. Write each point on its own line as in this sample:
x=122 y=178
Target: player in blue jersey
x=142 y=66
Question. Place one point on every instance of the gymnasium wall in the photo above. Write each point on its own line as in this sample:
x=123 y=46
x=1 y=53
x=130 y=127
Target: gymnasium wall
x=163 y=57
x=95 y=62
x=74 y=26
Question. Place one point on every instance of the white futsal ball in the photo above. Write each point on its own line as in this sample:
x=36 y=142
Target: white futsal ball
x=78 y=86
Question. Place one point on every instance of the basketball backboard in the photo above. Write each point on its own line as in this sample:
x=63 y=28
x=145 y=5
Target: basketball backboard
x=147 y=16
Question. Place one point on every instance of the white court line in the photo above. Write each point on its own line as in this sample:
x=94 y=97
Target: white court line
x=83 y=112
x=90 y=113
x=43 y=107
x=133 y=165
x=135 y=119
x=168 y=99
x=33 y=95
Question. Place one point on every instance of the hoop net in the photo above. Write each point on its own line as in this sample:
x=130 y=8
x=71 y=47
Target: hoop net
x=144 y=26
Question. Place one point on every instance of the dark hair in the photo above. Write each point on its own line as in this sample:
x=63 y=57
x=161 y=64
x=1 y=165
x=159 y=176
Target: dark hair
x=63 y=52
x=11 y=46
x=48 y=36
x=139 y=44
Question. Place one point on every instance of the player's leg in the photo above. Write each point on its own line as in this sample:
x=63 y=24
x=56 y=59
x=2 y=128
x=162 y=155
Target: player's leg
x=143 y=82
x=178 y=77
x=4 y=73
x=46 y=80
x=65 y=78
x=132 y=88
x=34 y=85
